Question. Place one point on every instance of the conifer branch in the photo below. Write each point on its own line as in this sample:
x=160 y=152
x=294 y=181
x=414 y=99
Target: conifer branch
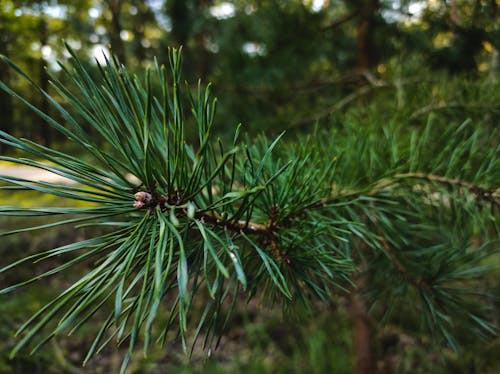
x=300 y=233
x=481 y=193
x=266 y=230
x=246 y=227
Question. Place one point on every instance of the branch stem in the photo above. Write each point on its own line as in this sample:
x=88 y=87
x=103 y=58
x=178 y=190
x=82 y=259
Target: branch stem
x=238 y=226
x=480 y=192
x=267 y=230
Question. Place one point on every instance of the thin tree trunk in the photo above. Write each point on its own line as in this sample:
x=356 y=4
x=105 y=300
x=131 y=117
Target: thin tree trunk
x=362 y=336
x=5 y=99
x=117 y=45
x=44 y=130
x=365 y=35
x=180 y=14
x=204 y=56
x=362 y=327
x=139 y=50
x=453 y=13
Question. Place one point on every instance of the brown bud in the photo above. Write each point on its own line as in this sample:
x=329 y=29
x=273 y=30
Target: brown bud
x=138 y=204
x=142 y=196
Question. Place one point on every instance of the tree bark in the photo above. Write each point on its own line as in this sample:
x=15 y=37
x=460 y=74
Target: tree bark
x=117 y=45
x=365 y=34
x=5 y=99
x=45 y=132
x=362 y=336
x=180 y=14
x=204 y=59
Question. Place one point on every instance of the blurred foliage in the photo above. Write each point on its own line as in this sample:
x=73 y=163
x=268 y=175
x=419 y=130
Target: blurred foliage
x=274 y=63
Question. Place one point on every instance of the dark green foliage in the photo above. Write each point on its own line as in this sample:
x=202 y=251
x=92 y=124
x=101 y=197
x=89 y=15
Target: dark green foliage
x=183 y=224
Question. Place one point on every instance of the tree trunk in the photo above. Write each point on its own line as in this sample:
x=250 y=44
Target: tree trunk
x=362 y=336
x=204 y=57
x=5 y=98
x=365 y=34
x=139 y=50
x=117 y=45
x=179 y=12
x=45 y=132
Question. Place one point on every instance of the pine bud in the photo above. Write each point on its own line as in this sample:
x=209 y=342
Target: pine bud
x=139 y=204
x=143 y=197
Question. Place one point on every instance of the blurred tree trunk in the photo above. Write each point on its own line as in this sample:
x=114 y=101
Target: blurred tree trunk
x=45 y=132
x=182 y=16
x=189 y=24
x=362 y=326
x=453 y=15
x=143 y=17
x=365 y=34
x=178 y=11
x=117 y=45
x=362 y=336
x=139 y=50
x=5 y=99
x=204 y=58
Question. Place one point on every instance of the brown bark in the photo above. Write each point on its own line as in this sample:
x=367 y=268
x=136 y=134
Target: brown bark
x=453 y=13
x=204 y=60
x=362 y=336
x=5 y=103
x=5 y=99
x=45 y=132
x=365 y=35
x=117 y=45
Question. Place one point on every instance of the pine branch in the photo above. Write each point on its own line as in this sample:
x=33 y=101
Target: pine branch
x=481 y=193
x=279 y=218
x=146 y=200
x=246 y=227
x=492 y=196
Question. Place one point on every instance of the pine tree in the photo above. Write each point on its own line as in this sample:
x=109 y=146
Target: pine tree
x=387 y=216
